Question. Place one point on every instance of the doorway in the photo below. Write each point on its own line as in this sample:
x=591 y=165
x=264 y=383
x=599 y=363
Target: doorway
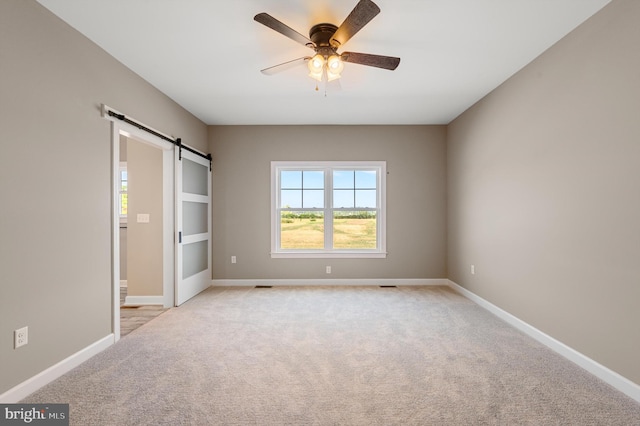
x=141 y=293
x=153 y=220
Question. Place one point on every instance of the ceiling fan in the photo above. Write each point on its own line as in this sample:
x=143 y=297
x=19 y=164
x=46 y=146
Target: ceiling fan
x=325 y=39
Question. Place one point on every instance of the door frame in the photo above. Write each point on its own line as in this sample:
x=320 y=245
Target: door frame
x=168 y=196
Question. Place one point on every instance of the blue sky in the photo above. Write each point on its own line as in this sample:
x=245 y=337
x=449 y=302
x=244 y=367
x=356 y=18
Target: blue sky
x=305 y=189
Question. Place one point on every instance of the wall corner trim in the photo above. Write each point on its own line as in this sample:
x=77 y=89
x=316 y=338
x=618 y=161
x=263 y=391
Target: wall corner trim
x=614 y=379
x=31 y=385
x=330 y=282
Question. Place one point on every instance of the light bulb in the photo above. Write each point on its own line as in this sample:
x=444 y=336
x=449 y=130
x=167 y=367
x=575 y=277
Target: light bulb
x=316 y=64
x=335 y=65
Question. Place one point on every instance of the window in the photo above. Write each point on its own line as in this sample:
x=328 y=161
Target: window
x=328 y=209
x=124 y=197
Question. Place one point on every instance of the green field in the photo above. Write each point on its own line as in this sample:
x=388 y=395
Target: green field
x=308 y=233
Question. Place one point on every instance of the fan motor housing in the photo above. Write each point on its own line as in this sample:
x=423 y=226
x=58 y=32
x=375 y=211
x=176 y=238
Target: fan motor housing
x=320 y=35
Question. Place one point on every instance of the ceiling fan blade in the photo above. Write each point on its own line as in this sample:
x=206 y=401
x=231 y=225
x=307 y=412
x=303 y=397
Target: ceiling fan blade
x=378 y=61
x=284 y=66
x=271 y=22
x=360 y=16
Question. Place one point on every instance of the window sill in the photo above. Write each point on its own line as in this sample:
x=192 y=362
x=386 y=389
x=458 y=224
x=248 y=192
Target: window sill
x=328 y=255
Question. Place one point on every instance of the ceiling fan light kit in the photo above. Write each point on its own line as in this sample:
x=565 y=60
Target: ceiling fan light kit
x=321 y=66
x=325 y=39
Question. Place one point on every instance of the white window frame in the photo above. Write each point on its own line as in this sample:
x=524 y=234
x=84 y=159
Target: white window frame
x=328 y=167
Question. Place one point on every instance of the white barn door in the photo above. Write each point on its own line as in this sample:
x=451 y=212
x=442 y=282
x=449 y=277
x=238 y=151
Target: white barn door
x=193 y=225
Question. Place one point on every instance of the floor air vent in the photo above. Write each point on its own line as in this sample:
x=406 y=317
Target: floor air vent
x=388 y=286
x=264 y=286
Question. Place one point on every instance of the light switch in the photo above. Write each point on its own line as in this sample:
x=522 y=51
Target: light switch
x=143 y=217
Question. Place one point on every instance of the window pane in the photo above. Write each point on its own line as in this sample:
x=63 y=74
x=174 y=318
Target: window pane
x=291 y=198
x=194 y=218
x=194 y=258
x=124 y=198
x=354 y=230
x=313 y=179
x=302 y=189
x=343 y=198
x=195 y=177
x=366 y=179
x=343 y=179
x=313 y=198
x=301 y=230
x=366 y=198
x=291 y=179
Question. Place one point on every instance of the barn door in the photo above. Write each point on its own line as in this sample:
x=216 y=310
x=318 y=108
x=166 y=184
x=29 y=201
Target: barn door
x=193 y=225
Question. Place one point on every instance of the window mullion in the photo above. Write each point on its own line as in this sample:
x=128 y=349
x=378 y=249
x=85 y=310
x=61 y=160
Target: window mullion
x=328 y=209
x=354 y=189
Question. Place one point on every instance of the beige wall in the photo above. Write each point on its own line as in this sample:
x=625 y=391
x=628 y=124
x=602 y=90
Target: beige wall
x=144 y=240
x=416 y=226
x=543 y=192
x=55 y=183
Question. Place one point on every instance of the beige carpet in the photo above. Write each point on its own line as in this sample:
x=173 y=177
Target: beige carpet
x=333 y=356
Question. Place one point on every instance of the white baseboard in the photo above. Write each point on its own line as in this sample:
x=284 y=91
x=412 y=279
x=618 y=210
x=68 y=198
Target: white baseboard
x=143 y=300
x=31 y=385
x=614 y=379
x=331 y=281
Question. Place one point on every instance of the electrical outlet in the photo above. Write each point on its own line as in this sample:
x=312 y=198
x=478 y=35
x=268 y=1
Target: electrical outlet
x=328 y=269
x=233 y=259
x=20 y=337
x=473 y=269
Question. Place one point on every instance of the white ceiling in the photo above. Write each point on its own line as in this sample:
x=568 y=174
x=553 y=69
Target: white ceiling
x=206 y=54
